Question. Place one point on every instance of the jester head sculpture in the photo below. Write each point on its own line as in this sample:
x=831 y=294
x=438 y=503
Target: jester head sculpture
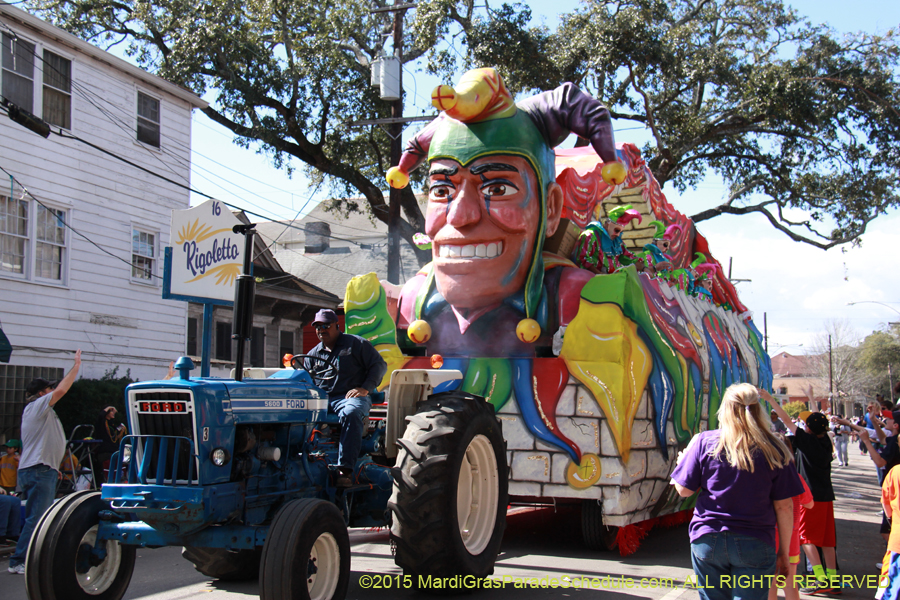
x=493 y=198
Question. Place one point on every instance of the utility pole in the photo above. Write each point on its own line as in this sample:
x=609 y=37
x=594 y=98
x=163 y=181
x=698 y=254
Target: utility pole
x=830 y=375
x=394 y=128
x=395 y=132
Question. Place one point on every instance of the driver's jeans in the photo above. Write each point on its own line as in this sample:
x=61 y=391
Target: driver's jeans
x=353 y=413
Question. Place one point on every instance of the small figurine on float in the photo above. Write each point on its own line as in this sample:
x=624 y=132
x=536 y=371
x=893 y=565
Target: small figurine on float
x=600 y=248
x=658 y=260
x=684 y=278
x=703 y=275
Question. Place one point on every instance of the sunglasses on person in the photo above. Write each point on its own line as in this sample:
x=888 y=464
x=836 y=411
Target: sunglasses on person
x=321 y=326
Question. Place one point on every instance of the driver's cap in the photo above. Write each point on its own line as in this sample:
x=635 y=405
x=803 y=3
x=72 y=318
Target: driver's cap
x=326 y=315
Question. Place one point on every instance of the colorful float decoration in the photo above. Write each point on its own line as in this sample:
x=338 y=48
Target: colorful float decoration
x=535 y=250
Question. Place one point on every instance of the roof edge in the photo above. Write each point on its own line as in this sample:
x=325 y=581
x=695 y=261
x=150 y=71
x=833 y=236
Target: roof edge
x=64 y=37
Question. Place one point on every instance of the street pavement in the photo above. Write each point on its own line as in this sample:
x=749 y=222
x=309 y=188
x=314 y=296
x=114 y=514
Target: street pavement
x=542 y=557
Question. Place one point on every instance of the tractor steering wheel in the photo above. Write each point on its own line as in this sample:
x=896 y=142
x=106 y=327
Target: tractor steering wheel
x=321 y=370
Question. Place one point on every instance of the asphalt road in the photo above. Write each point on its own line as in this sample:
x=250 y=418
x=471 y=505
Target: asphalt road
x=542 y=557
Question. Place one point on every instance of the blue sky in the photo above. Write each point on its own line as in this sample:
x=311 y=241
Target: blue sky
x=798 y=287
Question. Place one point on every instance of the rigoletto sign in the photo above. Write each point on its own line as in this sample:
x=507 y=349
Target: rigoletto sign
x=207 y=256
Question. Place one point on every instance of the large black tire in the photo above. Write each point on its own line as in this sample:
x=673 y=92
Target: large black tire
x=58 y=566
x=227 y=565
x=597 y=536
x=451 y=487
x=307 y=553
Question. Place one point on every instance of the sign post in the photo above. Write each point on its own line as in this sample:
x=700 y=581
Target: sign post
x=203 y=263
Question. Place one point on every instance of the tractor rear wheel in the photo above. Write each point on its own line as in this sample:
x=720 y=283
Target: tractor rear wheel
x=450 y=489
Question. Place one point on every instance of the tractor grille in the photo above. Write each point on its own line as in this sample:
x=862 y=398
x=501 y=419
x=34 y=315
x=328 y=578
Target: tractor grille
x=169 y=414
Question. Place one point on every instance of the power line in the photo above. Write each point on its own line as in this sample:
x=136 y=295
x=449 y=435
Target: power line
x=68 y=226
x=86 y=93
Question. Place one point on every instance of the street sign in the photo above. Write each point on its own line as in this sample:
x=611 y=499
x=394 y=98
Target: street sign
x=207 y=255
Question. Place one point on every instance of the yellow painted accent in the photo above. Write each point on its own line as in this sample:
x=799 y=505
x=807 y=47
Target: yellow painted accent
x=604 y=352
x=613 y=173
x=528 y=331
x=225 y=274
x=586 y=474
x=197 y=233
x=396 y=178
x=419 y=331
x=394 y=358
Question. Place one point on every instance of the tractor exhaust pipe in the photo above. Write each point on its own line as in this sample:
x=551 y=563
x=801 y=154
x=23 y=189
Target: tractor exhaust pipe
x=244 y=295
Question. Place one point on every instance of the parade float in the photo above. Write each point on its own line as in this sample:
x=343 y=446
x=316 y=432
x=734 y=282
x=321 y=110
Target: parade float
x=572 y=296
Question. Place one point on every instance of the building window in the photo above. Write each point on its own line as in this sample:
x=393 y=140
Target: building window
x=258 y=347
x=13 y=234
x=782 y=390
x=19 y=82
x=18 y=72
x=148 y=120
x=57 y=108
x=50 y=244
x=223 y=341
x=32 y=248
x=193 y=328
x=143 y=255
x=286 y=345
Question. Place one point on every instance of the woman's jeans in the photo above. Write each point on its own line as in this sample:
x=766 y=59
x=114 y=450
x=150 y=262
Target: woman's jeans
x=732 y=565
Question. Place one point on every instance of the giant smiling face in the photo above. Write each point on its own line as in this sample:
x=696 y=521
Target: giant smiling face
x=483 y=219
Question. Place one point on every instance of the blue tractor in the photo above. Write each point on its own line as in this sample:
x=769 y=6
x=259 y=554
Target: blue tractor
x=237 y=472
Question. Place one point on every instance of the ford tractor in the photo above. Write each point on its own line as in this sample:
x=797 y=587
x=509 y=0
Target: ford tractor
x=239 y=472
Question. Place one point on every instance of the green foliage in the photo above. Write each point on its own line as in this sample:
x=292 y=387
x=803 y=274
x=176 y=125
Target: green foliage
x=879 y=357
x=793 y=118
x=85 y=400
x=795 y=408
x=789 y=115
x=288 y=77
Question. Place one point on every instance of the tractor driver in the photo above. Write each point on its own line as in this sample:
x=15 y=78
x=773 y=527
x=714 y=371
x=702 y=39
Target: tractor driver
x=359 y=370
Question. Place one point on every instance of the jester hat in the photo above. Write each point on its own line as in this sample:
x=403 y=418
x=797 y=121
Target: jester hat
x=663 y=232
x=479 y=118
x=623 y=215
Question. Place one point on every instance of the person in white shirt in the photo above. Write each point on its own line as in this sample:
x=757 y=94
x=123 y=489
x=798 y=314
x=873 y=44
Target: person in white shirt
x=43 y=447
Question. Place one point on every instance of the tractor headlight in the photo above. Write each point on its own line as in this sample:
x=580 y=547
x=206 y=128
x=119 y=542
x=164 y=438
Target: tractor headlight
x=219 y=457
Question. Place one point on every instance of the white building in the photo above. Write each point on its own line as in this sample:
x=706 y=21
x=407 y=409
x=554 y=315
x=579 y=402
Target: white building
x=82 y=232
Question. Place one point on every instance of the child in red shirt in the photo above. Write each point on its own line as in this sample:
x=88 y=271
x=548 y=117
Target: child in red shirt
x=791 y=591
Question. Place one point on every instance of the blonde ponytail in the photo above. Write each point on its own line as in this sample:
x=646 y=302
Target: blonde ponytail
x=744 y=431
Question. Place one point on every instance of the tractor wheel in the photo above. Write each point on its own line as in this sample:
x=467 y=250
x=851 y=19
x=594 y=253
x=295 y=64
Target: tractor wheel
x=597 y=536
x=450 y=489
x=60 y=565
x=307 y=553
x=227 y=565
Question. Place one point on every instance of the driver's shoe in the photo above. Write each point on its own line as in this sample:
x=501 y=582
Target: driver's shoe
x=343 y=479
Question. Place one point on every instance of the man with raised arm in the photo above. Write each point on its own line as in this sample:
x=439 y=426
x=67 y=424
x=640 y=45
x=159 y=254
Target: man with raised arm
x=43 y=448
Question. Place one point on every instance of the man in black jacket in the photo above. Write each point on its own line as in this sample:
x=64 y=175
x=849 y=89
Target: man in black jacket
x=359 y=371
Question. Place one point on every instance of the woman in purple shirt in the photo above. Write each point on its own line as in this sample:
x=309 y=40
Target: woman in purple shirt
x=746 y=479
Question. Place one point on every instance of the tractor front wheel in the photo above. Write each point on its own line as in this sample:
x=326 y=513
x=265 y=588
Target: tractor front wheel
x=307 y=553
x=63 y=559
